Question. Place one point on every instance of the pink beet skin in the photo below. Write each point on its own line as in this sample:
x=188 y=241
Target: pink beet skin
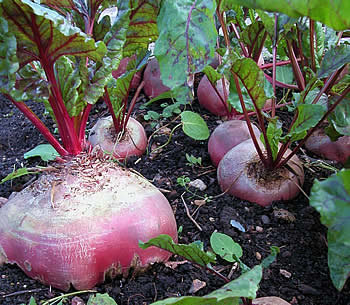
x=320 y=144
x=209 y=99
x=226 y=136
x=236 y=175
x=122 y=69
x=133 y=143
x=80 y=225
x=153 y=84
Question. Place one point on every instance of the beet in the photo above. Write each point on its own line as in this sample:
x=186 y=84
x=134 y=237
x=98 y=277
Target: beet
x=133 y=143
x=226 y=136
x=122 y=69
x=320 y=144
x=209 y=99
x=242 y=174
x=82 y=223
x=153 y=83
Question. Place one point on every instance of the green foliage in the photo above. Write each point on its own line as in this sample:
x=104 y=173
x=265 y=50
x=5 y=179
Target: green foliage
x=334 y=13
x=18 y=173
x=101 y=299
x=334 y=58
x=187 y=43
x=192 y=160
x=245 y=286
x=45 y=151
x=192 y=252
x=331 y=199
x=194 y=126
x=340 y=118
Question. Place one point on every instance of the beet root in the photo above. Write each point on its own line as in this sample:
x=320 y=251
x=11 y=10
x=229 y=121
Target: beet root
x=82 y=223
x=242 y=174
x=153 y=84
x=209 y=99
x=132 y=143
x=320 y=144
x=122 y=69
x=226 y=136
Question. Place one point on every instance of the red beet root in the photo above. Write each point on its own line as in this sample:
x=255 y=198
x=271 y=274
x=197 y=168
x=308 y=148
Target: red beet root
x=241 y=173
x=82 y=223
x=226 y=136
x=133 y=143
x=153 y=83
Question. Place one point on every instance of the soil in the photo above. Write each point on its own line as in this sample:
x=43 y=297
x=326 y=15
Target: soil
x=300 y=274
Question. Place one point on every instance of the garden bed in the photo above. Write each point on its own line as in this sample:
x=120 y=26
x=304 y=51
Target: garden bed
x=300 y=274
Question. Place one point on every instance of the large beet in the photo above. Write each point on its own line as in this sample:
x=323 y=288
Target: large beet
x=133 y=143
x=242 y=174
x=226 y=136
x=82 y=223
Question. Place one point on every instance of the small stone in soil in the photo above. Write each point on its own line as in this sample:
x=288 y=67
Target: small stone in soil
x=265 y=219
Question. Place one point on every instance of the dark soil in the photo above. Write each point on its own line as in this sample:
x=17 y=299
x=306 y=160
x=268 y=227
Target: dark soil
x=300 y=275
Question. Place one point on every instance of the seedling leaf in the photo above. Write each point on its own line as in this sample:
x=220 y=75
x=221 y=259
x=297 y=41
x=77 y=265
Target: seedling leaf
x=45 y=151
x=224 y=246
x=17 y=173
x=191 y=252
x=331 y=199
x=101 y=299
x=194 y=126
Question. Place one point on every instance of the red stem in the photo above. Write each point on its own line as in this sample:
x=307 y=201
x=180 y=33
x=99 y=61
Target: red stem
x=116 y=121
x=39 y=125
x=274 y=55
x=280 y=84
x=132 y=103
x=249 y=124
x=296 y=69
x=244 y=49
x=312 y=45
x=280 y=63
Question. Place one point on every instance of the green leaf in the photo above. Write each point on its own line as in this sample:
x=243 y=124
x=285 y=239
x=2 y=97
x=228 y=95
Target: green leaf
x=101 y=299
x=334 y=58
x=334 y=13
x=308 y=116
x=274 y=133
x=245 y=286
x=114 y=41
x=194 y=126
x=8 y=59
x=191 y=46
x=224 y=246
x=331 y=199
x=254 y=37
x=212 y=74
x=340 y=117
x=69 y=80
x=32 y=301
x=45 y=151
x=142 y=29
x=252 y=77
x=190 y=252
x=271 y=258
x=17 y=173
x=284 y=74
